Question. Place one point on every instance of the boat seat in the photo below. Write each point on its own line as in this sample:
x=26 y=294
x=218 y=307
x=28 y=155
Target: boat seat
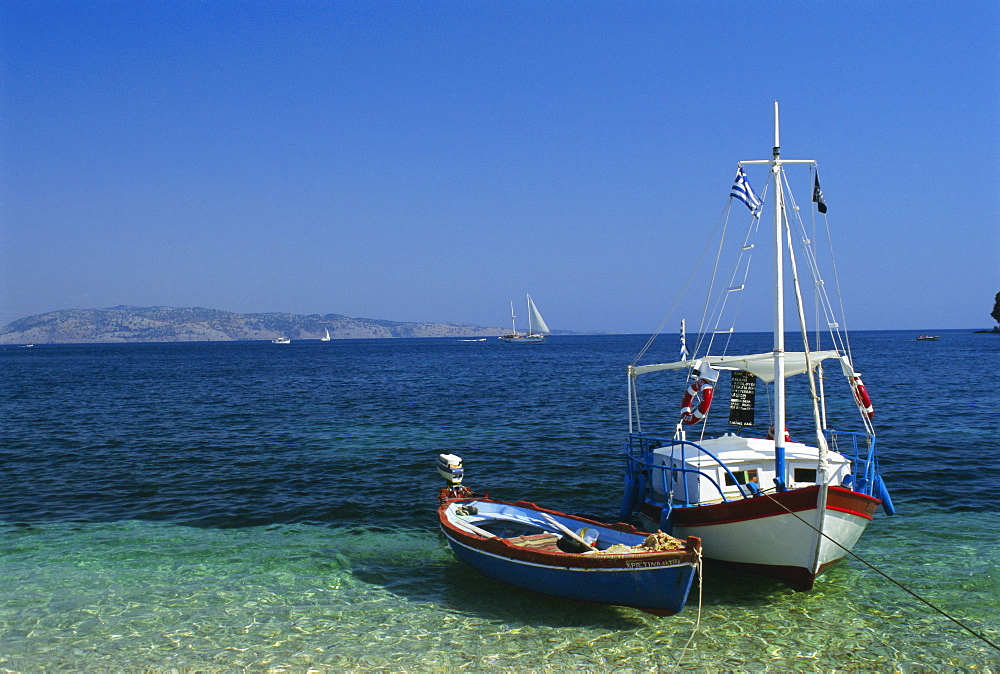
x=535 y=540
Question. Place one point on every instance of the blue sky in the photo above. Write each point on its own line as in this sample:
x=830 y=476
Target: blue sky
x=431 y=161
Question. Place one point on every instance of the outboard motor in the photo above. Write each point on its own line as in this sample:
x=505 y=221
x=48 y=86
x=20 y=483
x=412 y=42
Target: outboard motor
x=450 y=468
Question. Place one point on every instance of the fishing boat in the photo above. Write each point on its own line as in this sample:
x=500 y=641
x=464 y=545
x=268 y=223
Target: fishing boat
x=281 y=340
x=326 y=336
x=548 y=552
x=927 y=338
x=759 y=500
x=537 y=329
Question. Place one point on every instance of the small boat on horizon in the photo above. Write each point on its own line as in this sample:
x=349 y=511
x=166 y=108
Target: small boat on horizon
x=325 y=337
x=927 y=338
x=535 y=321
x=545 y=551
x=281 y=340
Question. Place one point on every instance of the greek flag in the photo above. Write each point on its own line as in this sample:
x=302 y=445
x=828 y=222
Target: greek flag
x=743 y=192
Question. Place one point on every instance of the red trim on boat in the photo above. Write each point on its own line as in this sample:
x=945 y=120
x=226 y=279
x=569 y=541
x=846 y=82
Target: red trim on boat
x=504 y=548
x=850 y=512
x=770 y=505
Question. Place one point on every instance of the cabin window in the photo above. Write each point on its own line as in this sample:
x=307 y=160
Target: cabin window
x=742 y=477
x=805 y=475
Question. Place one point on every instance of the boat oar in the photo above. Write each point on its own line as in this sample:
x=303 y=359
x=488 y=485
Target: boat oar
x=567 y=531
x=468 y=526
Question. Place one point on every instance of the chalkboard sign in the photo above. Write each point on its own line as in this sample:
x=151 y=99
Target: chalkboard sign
x=743 y=388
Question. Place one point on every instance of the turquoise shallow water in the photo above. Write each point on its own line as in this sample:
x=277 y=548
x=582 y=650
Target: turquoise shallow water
x=292 y=597
x=226 y=506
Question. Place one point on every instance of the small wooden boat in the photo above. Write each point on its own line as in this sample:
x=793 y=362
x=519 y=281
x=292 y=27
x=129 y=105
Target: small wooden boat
x=548 y=552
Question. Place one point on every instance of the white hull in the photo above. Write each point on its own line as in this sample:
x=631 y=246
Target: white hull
x=791 y=546
x=523 y=339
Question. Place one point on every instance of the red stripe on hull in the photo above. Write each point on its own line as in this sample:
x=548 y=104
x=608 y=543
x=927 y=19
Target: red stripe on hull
x=504 y=548
x=802 y=502
x=769 y=505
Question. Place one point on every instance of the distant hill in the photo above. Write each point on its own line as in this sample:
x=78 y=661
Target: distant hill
x=168 y=324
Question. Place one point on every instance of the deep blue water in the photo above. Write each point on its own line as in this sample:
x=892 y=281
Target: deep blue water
x=222 y=505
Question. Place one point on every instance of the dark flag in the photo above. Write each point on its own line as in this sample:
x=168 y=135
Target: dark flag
x=818 y=196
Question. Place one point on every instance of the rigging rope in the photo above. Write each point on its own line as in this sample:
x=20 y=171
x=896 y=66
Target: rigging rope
x=838 y=329
x=721 y=221
x=717 y=315
x=887 y=577
x=836 y=282
x=697 y=622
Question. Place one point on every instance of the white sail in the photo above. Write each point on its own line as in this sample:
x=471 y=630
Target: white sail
x=535 y=321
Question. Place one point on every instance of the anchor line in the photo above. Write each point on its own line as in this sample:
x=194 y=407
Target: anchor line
x=887 y=577
x=697 y=622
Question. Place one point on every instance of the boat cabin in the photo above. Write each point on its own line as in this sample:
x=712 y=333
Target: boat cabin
x=695 y=477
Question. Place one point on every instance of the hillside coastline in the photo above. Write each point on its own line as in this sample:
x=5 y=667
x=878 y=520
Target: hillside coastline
x=169 y=324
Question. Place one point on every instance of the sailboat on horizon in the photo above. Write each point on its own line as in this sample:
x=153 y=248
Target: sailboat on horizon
x=537 y=329
x=326 y=337
x=759 y=500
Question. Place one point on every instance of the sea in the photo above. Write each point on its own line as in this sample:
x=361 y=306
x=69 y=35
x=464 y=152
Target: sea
x=247 y=506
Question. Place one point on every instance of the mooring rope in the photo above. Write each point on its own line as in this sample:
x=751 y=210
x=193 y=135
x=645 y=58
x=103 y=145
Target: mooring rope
x=697 y=622
x=889 y=578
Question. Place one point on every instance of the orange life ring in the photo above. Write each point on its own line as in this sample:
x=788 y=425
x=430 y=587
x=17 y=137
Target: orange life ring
x=702 y=388
x=861 y=397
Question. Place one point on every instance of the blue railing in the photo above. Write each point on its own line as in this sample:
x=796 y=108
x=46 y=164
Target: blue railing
x=641 y=474
x=639 y=459
x=864 y=469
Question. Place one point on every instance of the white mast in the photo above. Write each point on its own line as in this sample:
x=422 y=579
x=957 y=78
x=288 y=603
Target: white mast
x=779 y=298
x=513 y=326
x=779 y=312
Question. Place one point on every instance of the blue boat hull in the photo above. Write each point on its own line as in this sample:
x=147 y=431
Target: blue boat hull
x=519 y=547
x=662 y=590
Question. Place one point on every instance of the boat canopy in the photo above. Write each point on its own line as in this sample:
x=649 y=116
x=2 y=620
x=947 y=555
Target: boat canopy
x=759 y=364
